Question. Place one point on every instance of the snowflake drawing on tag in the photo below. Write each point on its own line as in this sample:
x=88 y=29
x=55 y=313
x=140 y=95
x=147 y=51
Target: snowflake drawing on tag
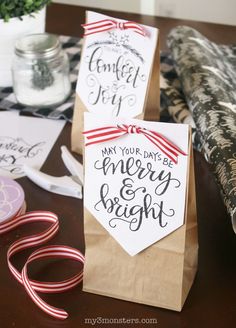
x=123 y=40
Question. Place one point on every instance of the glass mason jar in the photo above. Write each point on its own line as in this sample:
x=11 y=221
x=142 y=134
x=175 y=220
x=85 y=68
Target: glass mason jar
x=40 y=71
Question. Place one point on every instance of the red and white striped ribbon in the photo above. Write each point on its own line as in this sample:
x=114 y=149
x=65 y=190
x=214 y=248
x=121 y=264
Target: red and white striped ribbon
x=109 y=24
x=33 y=286
x=113 y=132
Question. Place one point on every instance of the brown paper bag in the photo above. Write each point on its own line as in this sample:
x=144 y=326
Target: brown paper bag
x=150 y=112
x=161 y=275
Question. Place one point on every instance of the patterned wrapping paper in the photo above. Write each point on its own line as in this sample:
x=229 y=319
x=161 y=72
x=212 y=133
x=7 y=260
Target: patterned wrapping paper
x=173 y=103
x=207 y=73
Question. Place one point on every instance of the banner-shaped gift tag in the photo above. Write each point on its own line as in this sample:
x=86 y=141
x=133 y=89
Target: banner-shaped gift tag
x=135 y=178
x=116 y=71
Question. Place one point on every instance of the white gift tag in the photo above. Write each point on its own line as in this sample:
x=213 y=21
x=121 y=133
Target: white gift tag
x=135 y=178
x=25 y=141
x=115 y=66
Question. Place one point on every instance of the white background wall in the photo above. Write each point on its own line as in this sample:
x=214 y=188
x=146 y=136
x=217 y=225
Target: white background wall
x=215 y=11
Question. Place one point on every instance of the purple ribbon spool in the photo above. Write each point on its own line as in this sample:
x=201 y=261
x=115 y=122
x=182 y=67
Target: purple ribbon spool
x=12 y=198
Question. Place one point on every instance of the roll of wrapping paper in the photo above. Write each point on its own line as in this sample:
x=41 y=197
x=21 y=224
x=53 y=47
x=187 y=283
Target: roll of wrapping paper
x=207 y=73
x=12 y=215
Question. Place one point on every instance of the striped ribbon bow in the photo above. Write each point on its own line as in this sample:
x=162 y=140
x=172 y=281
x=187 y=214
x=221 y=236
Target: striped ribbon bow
x=109 y=24
x=113 y=132
x=55 y=251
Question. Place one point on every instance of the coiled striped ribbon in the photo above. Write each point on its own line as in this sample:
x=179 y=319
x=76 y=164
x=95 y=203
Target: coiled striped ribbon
x=55 y=251
x=109 y=24
x=107 y=133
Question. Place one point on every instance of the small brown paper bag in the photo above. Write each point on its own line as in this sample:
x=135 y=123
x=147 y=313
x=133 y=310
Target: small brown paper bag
x=161 y=275
x=151 y=105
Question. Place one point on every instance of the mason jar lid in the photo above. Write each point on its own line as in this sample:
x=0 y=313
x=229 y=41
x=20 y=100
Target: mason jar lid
x=41 y=45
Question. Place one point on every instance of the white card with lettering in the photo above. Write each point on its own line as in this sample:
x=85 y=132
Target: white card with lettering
x=135 y=178
x=115 y=65
x=25 y=140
